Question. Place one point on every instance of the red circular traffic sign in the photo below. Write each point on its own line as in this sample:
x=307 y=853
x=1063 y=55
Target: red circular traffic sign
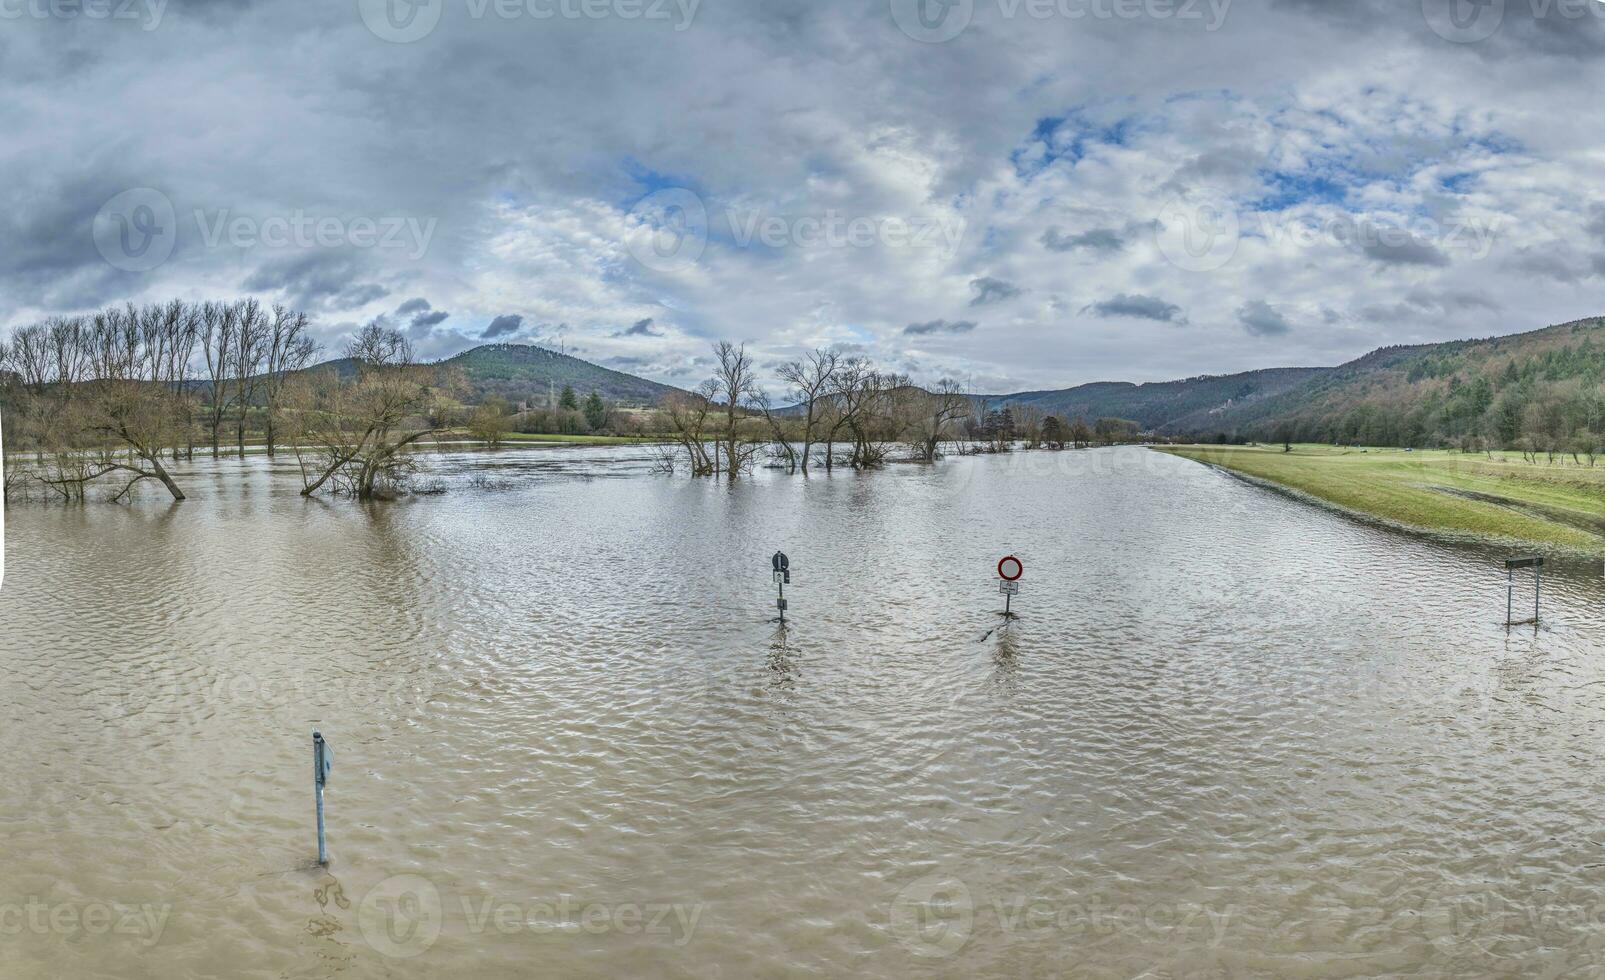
x=1013 y=563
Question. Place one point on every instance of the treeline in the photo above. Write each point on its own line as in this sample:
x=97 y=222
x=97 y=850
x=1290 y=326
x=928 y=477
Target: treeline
x=118 y=394
x=115 y=397
x=728 y=424
x=1550 y=403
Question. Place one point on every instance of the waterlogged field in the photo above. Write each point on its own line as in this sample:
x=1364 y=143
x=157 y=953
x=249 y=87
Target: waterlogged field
x=1231 y=734
x=1498 y=495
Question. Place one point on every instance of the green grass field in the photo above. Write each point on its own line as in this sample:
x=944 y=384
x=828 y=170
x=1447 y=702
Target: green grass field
x=583 y=440
x=1497 y=497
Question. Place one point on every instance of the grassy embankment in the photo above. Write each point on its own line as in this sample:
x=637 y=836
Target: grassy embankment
x=578 y=440
x=1499 y=497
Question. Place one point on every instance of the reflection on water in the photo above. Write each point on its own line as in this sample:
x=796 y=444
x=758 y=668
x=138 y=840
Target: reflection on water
x=1230 y=734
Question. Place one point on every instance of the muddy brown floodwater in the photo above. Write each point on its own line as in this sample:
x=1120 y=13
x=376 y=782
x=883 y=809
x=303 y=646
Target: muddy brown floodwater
x=1230 y=735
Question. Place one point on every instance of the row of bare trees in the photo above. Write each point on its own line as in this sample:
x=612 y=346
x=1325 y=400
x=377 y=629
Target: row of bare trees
x=120 y=393
x=724 y=426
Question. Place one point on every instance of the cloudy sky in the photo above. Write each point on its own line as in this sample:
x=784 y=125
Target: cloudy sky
x=1019 y=193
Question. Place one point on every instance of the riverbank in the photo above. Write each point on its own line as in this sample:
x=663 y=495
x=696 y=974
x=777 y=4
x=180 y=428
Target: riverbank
x=1498 y=497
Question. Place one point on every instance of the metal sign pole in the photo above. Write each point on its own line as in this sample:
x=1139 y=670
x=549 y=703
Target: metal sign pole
x=1010 y=569
x=1534 y=562
x=781 y=565
x=322 y=762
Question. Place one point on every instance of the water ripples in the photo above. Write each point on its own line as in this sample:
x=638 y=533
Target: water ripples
x=1231 y=733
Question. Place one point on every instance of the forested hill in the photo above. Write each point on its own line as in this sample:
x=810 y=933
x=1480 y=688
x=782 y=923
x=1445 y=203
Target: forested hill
x=521 y=372
x=1166 y=406
x=1545 y=388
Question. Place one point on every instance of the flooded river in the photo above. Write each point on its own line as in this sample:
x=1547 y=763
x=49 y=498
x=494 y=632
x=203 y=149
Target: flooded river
x=1231 y=734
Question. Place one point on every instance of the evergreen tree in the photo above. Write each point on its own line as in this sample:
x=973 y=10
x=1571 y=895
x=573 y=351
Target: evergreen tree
x=595 y=412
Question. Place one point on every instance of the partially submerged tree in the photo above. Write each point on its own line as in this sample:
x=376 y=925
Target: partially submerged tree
x=936 y=418
x=489 y=422
x=356 y=434
x=810 y=380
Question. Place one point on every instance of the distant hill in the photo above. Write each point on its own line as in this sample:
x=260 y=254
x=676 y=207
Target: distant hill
x=1545 y=385
x=1165 y=406
x=521 y=372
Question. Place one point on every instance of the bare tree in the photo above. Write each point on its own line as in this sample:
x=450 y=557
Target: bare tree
x=358 y=433
x=734 y=386
x=940 y=411
x=219 y=329
x=686 y=416
x=289 y=350
x=250 y=351
x=810 y=380
x=777 y=430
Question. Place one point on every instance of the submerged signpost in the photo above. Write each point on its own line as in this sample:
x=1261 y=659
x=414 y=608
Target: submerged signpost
x=1534 y=562
x=782 y=571
x=322 y=762
x=1009 y=571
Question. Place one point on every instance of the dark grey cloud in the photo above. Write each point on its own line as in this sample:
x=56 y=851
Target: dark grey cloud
x=1095 y=240
x=640 y=328
x=1488 y=29
x=545 y=160
x=990 y=290
x=1138 y=306
x=317 y=279
x=1395 y=246
x=939 y=326
x=502 y=326
x=420 y=316
x=1262 y=320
